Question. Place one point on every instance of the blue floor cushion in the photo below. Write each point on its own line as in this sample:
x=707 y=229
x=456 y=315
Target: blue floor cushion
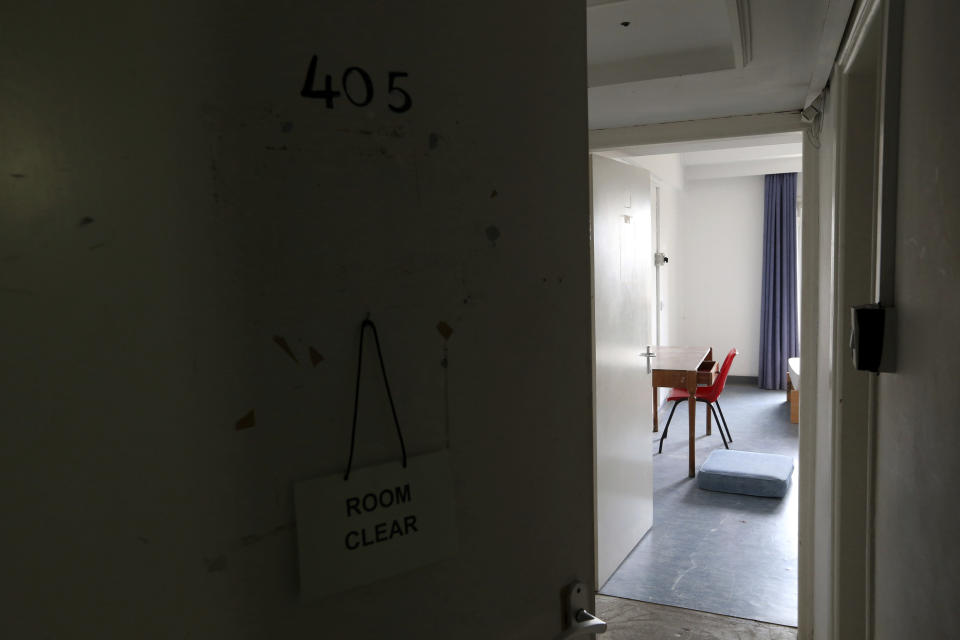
x=753 y=474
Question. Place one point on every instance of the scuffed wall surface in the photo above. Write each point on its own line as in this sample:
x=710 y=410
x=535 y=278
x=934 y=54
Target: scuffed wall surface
x=917 y=555
x=187 y=248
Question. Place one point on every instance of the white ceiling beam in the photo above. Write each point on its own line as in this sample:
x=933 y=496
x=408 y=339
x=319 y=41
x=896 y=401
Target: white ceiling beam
x=599 y=3
x=689 y=148
x=741 y=26
x=668 y=65
x=741 y=168
x=729 y=127
x=737 y=153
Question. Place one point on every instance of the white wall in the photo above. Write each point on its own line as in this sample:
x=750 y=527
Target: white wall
x=666 y=171
x=670 y=202
x=169 y=204
x=713 y=277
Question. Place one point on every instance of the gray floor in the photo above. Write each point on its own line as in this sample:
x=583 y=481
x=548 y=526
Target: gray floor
x=716 y=552
x=632 y=620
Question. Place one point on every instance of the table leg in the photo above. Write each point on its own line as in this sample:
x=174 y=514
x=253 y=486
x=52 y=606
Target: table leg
x=692 y=390
x=656 y=397
x=693 y=420
x=708 y=421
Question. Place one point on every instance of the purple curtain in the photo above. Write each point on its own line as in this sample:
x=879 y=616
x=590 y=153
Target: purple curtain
x=778 y=304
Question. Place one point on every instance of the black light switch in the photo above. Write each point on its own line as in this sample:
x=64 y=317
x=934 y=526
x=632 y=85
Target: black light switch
x=866 y=336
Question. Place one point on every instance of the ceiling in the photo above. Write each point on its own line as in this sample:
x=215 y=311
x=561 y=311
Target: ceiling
x=655 y=61
x=719 y=158
x=744 y=154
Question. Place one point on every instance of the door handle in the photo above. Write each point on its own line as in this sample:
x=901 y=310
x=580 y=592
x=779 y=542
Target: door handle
x=580 y=622
x=648 y=354
x=583 y=623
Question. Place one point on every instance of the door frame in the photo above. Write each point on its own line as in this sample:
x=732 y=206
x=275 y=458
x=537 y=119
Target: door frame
x=754 y=125
x=862 y=275
x=847 y=514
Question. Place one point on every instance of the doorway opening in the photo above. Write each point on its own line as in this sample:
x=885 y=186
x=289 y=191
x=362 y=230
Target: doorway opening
x=696 y=280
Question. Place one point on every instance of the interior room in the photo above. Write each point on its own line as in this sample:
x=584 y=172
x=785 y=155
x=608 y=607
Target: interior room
x=704 y=203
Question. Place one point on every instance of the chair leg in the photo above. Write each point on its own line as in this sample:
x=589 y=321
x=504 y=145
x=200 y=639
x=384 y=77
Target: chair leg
x=729 y=437
x=663 y=436
x=719 y=426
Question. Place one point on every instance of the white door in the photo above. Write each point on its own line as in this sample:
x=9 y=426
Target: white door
x=623 y=327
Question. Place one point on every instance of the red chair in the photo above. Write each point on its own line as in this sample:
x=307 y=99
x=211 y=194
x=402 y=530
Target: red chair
x=710 y=395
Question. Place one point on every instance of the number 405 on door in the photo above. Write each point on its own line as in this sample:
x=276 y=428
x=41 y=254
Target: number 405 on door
x=357 y=87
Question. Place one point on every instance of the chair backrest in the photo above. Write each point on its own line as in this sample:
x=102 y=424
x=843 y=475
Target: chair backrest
x=716 y=388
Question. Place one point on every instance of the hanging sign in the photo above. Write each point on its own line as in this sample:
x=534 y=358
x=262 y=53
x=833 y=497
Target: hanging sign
x=383 y=521
x=374 y=522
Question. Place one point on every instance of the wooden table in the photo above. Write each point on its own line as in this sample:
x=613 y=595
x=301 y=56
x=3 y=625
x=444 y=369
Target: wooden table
x=683 y=368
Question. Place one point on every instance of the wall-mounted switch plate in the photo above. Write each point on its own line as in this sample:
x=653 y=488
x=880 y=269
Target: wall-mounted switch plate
x=873 y=337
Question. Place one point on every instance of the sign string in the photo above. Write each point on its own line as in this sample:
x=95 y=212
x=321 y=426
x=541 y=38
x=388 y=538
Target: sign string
x=356 y=398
